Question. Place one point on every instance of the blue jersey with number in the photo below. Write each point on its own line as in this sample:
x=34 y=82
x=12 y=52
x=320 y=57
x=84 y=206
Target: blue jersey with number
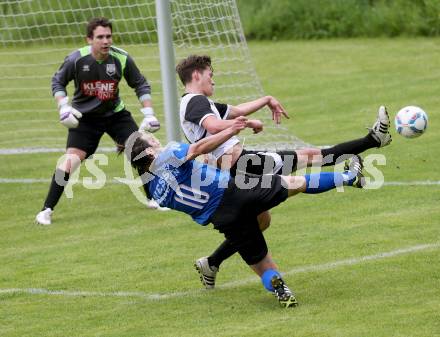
x=186 y=186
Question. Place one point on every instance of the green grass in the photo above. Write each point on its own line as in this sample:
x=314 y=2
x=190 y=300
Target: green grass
x=105 y=241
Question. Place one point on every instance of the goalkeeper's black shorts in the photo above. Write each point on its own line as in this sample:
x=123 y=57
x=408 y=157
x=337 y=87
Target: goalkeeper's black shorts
x=87 y=135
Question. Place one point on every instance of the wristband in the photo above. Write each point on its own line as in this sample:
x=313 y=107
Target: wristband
x=63 y=101
x=148 y=111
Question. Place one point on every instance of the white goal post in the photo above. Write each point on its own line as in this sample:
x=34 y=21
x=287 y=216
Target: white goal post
x=36 y=35
x=167 y=66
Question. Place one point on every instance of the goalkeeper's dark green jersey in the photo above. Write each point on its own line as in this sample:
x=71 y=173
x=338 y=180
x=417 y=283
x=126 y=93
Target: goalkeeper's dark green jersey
x=97 y=82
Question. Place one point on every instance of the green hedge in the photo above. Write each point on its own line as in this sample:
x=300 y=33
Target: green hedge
x=311 y=19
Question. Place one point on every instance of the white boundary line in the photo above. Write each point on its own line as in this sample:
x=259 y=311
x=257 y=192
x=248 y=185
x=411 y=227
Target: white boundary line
x=24 y=180
x=346 y=262
x=411 y=183
x=27 y=150
x=43 y=149
x=46 y=180
x=234 y=284
x=115 y=181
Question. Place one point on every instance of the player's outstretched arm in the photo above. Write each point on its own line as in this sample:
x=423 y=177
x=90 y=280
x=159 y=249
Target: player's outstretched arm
x=214 y=125
x=247 y=108
x=208 y=144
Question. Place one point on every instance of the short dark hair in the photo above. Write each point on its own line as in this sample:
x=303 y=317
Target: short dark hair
x=133 y=149
x=186 y=67
x=95 y=22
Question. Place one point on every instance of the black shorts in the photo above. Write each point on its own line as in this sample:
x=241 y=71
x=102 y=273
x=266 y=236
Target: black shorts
x=87 y=135
x=236 y=215
x=263 y=162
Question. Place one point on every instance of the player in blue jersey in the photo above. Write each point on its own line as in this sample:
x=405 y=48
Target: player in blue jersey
x=200 y=117
x=209 y=195
x=96 y=107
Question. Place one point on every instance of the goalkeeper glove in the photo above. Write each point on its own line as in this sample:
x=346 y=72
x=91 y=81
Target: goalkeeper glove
x=68 y=115
x=150 y=122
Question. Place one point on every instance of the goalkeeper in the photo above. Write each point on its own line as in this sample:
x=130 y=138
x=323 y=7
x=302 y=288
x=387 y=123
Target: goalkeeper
x=96 y=107
x=201 y=117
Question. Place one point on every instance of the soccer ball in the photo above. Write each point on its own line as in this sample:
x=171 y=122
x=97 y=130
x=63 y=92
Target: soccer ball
x=411 y=121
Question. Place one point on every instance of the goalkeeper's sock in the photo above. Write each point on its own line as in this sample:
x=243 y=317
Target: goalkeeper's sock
x=55 y=190
x=224 y=251
x=266 y=278
x=342 y=151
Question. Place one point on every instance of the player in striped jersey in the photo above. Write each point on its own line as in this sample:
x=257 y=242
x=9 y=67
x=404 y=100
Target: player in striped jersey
x=200 y=117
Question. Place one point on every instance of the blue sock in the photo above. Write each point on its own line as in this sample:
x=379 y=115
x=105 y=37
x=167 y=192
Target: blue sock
x=267 y=277
x=323 y=182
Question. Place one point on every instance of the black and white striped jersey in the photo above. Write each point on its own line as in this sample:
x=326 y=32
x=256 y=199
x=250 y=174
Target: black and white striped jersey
x=194 y=108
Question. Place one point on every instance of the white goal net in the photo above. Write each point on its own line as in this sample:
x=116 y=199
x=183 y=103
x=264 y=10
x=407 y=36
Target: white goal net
x=36 y=35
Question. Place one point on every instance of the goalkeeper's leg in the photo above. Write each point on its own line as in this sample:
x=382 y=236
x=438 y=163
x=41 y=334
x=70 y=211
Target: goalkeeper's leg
x=81 y=143
x=60 y=178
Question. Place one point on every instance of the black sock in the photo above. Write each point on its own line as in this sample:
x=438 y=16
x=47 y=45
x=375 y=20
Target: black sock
x=223 y=251
x=55 y=190
x=332 y=155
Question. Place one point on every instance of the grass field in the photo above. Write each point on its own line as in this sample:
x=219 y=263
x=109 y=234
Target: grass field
x=363 y=263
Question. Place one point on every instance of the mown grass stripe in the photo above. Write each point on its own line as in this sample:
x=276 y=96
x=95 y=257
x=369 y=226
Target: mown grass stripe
x=235 y=284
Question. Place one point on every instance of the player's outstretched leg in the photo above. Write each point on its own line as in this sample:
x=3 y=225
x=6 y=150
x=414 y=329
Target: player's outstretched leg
x=354 y=166
x=207 y=273
x=326 y=181
x=380 y=129
x=378 y=136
